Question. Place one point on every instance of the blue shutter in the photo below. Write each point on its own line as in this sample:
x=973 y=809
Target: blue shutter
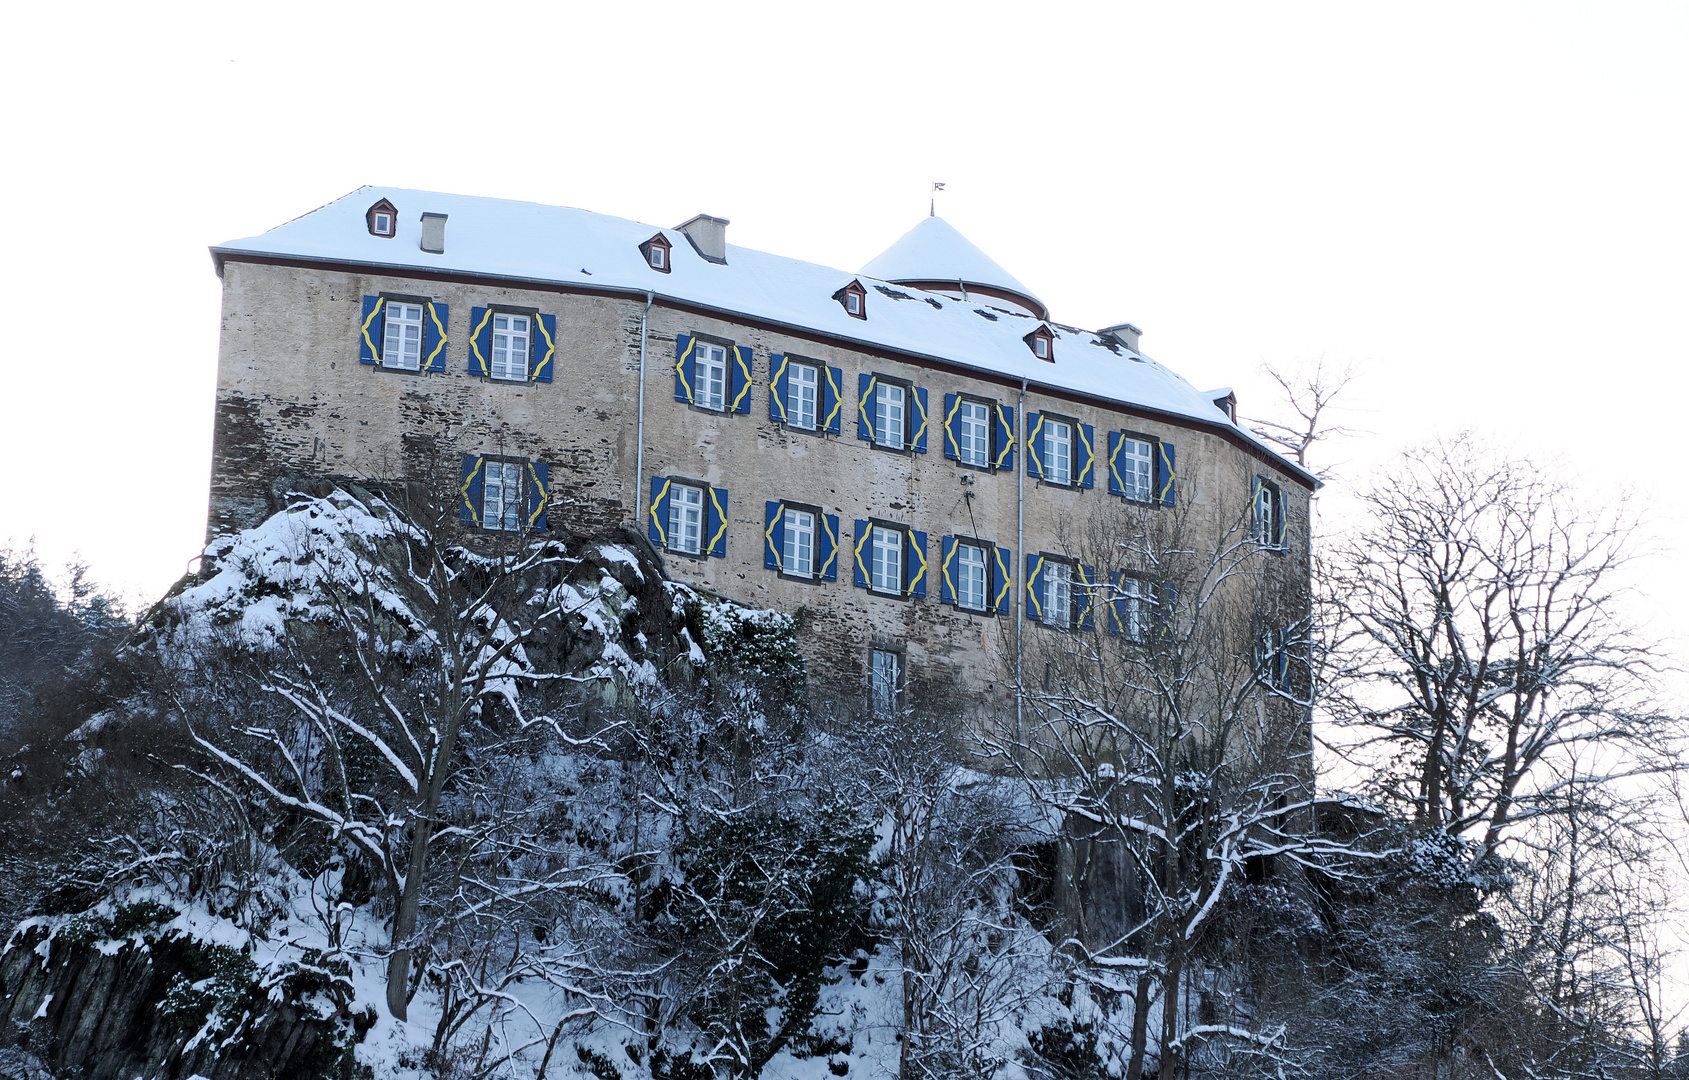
x=827 y=548
x=864 y=415
x=1116 y=486
x=657 y=528
x=832 y=399
x=1084 y=597
x=952 y=450
x=773 y=534
x=480 y=341
x=1035 y=587
x=543 y=348
x=1254 y=508
x=370 y=328
x=915 y=565
x=437 y=317
x=1166 y=474
x=1166 y=608
x=947 y=556
x=1002 y=580
x=1087 y=455
x=862 y=531
x=1035 y=445
x=684 y=376
x=716 y=520
x=777 y=388
x=1278 y=520
x=919 y=442
x=469 y=490
x=1005 y=438
x=539 y=494
x=741 y=379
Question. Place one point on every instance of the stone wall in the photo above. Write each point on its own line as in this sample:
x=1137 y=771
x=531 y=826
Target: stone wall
x=293 y=397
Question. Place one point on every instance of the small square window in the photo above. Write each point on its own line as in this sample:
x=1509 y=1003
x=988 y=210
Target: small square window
x=1040 y=348
x=853 y=303
x=384 y=224
x=659 y=257
x=381 y=219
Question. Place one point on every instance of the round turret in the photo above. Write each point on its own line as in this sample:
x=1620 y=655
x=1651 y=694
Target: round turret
x=935 y=257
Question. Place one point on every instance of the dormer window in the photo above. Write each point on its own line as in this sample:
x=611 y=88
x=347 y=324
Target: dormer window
x=656 y=251
x=855 y=300
x=1043 y=344
x=382 y=219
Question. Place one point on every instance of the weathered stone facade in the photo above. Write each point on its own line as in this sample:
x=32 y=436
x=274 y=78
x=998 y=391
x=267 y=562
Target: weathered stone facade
x=292 y=397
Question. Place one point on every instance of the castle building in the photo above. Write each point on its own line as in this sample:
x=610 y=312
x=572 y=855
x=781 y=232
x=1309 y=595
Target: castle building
x=902 y=453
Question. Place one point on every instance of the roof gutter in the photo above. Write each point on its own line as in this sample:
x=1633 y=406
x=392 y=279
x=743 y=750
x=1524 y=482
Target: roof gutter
x=1228 y=431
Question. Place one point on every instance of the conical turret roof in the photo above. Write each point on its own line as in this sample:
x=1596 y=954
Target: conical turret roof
x=934 y=255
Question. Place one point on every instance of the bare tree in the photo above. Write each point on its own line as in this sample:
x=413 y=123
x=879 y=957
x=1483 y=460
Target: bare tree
x=1311 y=394
x=1484 y=649
x=386 y=643
x=1170 y=732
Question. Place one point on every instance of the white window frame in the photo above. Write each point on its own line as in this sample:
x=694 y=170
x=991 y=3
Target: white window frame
x=853 y=303
x=709 y=366
x=399 y=349
x=973 y=433
x=1267 y=506
x=1138 y=476
x=498 y=509
x=1040 y=347
x=885 y=680
x=512 y=347
x=797 y=545
x=966 y=578
x=383 y=223
x=1135 y=597
x=687 y=519
x=1058 y=594
x=803 y=411
x=1058 y=452
x=891 y=400
x=885 y=560
x=659 y=257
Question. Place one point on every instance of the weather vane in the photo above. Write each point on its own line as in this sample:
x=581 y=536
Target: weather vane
x=932 y=207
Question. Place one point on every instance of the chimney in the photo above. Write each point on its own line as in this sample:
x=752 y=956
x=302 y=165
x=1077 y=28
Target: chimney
x=1125 y=333
x=434 y=233
x=709 y=235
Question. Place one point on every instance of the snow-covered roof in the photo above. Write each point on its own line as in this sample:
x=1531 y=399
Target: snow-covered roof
x=934 y=251
x=566 y=247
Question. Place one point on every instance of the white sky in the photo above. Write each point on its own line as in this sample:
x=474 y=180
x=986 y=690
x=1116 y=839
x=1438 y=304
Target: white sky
x=1482 y=203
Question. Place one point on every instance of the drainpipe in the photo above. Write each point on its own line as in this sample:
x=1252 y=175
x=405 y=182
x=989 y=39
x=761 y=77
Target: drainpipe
x=639 y=454
x=1020 y=557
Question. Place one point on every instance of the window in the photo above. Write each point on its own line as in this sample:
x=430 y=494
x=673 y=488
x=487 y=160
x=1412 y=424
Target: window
x=971 y=577
x=885 y=677
x=510 y=347
x=1042 y=344
x=798 y=547
x=1058 y=594
x=1058 y=452
x=886 y=568
x=803 y=385
x=382 y=219
x=1135 y=468
x=686 y=519
x=687 y=516
x=1130 y=610
x=973 y=433
x=656 y=252
x=401 y=345
x=888 y=414
x=855 y=300
x=1266 y=523
x=710 y=363
x=501 y=496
